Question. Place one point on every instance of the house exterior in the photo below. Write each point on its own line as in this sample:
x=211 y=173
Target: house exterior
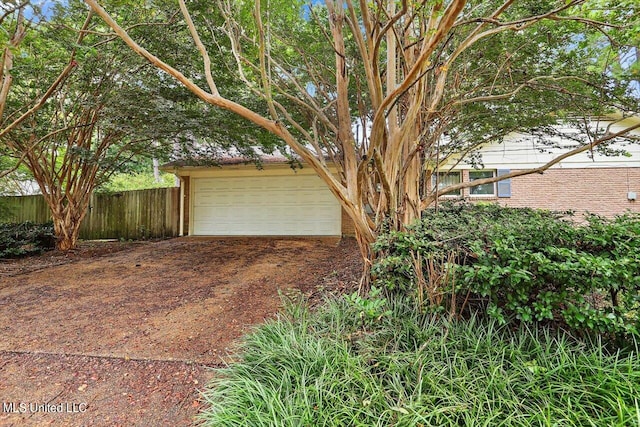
x=593 y=182
x=238 y=199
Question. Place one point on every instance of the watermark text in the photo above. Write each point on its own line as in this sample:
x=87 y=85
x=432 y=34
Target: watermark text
x=47 y=408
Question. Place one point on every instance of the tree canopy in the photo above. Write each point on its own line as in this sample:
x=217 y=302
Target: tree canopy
x=392 y=89
x=107 y=106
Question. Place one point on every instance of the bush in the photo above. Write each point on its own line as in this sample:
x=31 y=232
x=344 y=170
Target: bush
x=409 y=369
x=5 y=210
x=525 y=265
x=25 y=239
x=136 y=181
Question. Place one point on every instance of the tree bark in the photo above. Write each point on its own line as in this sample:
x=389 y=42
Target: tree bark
x=156 y=170
x=66 y=224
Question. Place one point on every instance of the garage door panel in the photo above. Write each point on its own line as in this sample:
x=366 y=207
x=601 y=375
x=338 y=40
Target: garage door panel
x=272 y=205
x=264 y=197
x=250 y=213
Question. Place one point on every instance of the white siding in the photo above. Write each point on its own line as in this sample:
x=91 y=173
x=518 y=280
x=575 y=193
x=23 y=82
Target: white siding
x=520 y=151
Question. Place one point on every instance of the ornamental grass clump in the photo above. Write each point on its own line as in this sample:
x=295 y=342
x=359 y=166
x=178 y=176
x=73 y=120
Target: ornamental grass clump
x=407 y=368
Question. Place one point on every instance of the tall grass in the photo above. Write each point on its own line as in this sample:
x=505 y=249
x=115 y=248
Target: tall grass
x=336 y=368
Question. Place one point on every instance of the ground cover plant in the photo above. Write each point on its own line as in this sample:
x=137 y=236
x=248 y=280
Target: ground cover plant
x=520 y=265
x=24 y=239
x=482 y=316
x=373 y=362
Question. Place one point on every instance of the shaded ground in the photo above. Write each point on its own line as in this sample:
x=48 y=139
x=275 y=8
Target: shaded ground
x=121 y=333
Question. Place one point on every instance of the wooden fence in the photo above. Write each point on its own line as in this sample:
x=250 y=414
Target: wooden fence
x=127 y=215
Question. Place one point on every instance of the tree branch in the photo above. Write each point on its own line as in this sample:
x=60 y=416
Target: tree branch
x=54 y=86
x=201 y=48
x=272 y=126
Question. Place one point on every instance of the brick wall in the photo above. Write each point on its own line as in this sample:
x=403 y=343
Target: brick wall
x=348 y=228
x=597 y=190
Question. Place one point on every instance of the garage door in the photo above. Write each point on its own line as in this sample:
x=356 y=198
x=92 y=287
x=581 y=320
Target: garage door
x=299 y=205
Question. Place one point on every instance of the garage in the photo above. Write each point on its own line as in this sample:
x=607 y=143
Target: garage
x=263 y=204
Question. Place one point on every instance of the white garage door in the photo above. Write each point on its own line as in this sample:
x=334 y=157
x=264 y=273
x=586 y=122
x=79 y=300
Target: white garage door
x=299 y=205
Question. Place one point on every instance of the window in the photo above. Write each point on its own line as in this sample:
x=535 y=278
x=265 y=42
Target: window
x=445 y=179
x=484 y=189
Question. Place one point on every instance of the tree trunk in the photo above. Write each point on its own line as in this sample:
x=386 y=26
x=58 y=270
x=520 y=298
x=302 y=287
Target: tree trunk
x=369 y=257
x=67 y=230
x=156 y=171
x=67 y=219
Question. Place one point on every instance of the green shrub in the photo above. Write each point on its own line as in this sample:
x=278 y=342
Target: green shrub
x=525 y=265
x=136 y=181
x=5 y=210
x=410 y=369
x=25 y=239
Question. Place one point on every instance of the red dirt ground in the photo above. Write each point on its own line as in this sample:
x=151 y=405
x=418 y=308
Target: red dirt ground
x=123 y=334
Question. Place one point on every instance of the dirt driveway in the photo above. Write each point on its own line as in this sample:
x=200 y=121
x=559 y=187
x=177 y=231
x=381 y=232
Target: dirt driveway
x=121 y=334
